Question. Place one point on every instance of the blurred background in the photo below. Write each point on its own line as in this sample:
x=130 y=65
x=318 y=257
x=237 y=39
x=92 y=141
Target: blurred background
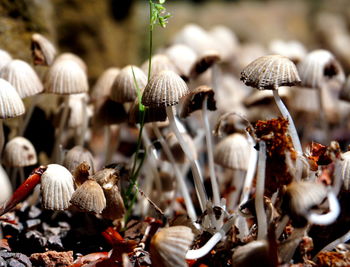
x=109 y=33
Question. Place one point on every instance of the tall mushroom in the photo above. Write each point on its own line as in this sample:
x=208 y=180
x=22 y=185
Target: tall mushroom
x=270 y=73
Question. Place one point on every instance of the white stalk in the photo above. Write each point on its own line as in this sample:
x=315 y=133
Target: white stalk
x=213 y=180
x=84 y=125
x=253 y=158
x=237 y=183
x=201 y=252
x=59 y=133
x=197 y=176
x=179 y=179
x=259 y=195
x=2 y=137
x=293 y=133
x=331 y=216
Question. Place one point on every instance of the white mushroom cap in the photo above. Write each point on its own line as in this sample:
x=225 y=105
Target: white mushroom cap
x=182 y=56
x=5 y=58
x=11 y=105
x=5 y=185
x=103 y=86
x=19 y=152
x=47 y=49
x=22 y=77
x=56 y=187
x=66 y=76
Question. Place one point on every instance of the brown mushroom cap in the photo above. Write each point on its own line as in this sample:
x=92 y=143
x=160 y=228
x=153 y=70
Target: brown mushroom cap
x=194 y=100
x=164 y=89
x=204 y=62
x=270 y=72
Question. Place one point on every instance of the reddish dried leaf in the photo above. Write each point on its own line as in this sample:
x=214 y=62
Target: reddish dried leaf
x=112 y=236
x=92 y=257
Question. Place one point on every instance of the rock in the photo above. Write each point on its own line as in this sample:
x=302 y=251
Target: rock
x=52 y=258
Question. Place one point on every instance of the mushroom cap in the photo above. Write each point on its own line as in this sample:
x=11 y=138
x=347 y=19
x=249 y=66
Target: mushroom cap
x=5 y=185
x=342 y=169
x=159 y=63
x=77 y=155
x=43 y=51
x=66 y=76
x=11 y=105
x=124 y=88
x=270 y=72
x=103 y=86
x=22 y=77
x=19 y=152
x=183 y=57
x=170 y=245
x=75 y=58
x=115 y=205
x=226 y=41
x=320 y=67
x=164 y=89
x=233 y=152
x=89 y=197
x=56 y=187
x=5 y=58
x=151 y=114
x=204 y=62
x=195 y=98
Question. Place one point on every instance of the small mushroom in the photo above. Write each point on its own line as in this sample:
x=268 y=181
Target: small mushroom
x=43 y=51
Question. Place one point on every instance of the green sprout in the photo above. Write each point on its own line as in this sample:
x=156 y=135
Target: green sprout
x=158 y=16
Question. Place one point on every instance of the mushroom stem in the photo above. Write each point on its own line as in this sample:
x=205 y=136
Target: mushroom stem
x=253 y=157
x=2 y=137
x=59 y=132
x=292 y=131
x=213 y=180
x=237 y=184
x=331 y=216
x=259 y=195
x=84 y=124
x=211 y=243
x=179 y=179
x=197 y=176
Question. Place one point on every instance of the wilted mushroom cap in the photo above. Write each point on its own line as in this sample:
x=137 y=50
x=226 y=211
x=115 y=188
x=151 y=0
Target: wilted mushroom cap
x=22 y=77
x=164 y=89
x=159 y=63
x=66 y=76
x=115 y=205
x=204 y=62
x=320 y=67
x=233 y=152
x=56 y=187
x=19 y=152
x=11 y=105
x=170 y=245
x=106 y=177
x=151 y=114
x=43 y=51
x=110 y=112
x=124 y=87
x=103 y=86
x=194 y=100
x=300 y=197
x=270 y=72
x=77 y=155
x=89 y=197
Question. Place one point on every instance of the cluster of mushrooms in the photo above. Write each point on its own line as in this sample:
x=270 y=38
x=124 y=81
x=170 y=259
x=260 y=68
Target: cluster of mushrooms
x=229 y=169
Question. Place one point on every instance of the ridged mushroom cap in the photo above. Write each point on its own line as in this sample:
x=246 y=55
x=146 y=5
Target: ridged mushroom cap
x=43 y=51
x=19 y=152
x=159 y=63
x=66 y=76
x=194 y=100
x=170 y=245
x=164 y=89
x=77 y=155
x=22 y=77
x=74 y=57
x=342 y=169
x=56 y=187
x=124 y=88
x=103 y=86
x=11 y=105
x=302 y=196
x=320 y=67
x=89 y=197
x=5 y=58
x=182 y=56
x=270 y=72
x=5 y=185
x=233 y=152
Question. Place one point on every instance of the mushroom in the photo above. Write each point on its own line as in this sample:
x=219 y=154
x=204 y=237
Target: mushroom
x=183 y=57
x=270 y=73
x=164 y=90
x=43 y=51
x=159 y=63
x=77 y=155
x=5 y=58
